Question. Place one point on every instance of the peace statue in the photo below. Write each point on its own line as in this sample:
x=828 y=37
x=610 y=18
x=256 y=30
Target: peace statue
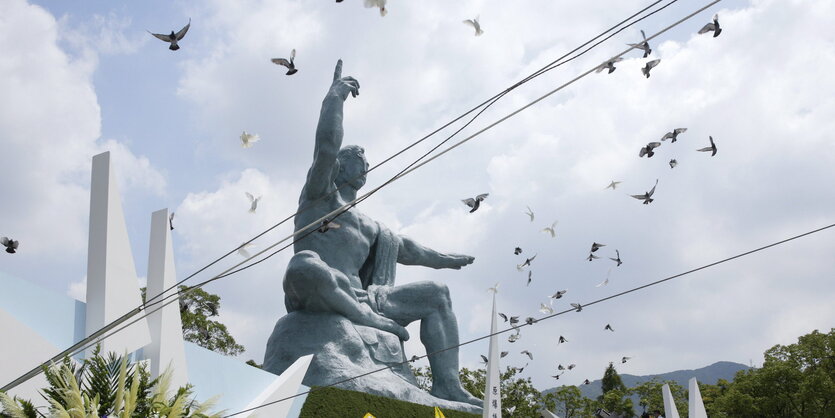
x=341 y=300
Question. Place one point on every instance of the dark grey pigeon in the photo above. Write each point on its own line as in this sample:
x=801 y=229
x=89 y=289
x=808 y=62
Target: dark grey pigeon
x=514 y=320
x=617 y=260
x=527 y=263
x=483 y=359
x=171 y=221
x=503 y=354
x=558 y=294
x=571 y=366
x=530 y=273
x=562 y=340
x=625 y=359
x=173 y=38
x=577 y=306
x=414 y=359
x=650 y=64
x=595 y=246
x=586 y=382
x=712 y=148
x=10 y=244
x=592 y=257
x=646 y=197
x=527 y=353
x=290 y=64
x=503 y=316
x=475 y=203
x=517 y=251
x=673 y=163
x=609 y=328
x=648 y=150
x=530 y=320
x=712 y=27
x=673 y=135
x=610 y=65
x=557 y=376
x=643 y=45
x=327 y=225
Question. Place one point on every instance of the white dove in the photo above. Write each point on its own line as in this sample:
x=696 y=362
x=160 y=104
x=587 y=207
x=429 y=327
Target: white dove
x=550 y=229
x=247 y=139
x=253 y=202
x=377 y=3
x=529 y=212
x=474 y=23
x=545 y=309
x=242 y=249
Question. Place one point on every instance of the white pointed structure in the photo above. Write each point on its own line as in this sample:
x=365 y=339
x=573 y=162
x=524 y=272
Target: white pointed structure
x=167 y=347
x=696 y=408
x=670 y=410
x=112 y=285
x=285 y=386
x=492 y=407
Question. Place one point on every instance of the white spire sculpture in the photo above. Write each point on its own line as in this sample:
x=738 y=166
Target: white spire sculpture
x=696 y=407
x=493 y=389
x=670 y=410
x=166 y=327
x=112 y=285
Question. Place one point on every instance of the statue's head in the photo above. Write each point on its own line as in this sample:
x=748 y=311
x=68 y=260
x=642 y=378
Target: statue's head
x=352 y=166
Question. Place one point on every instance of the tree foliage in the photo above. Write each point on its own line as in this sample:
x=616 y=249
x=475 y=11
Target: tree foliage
x=197 y=307
x=650 y=397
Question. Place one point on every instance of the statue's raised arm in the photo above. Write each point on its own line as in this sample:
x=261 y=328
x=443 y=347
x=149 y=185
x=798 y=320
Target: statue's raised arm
x=320 y=177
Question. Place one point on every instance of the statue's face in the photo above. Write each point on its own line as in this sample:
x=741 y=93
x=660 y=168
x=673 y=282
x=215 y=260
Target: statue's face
x=352 y=168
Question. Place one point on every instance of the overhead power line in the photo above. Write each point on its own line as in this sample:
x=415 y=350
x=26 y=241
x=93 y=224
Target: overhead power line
x=99 y=335
x=584 y=305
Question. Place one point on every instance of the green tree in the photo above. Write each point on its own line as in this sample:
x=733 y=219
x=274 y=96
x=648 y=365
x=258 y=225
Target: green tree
x=570 y=402
x=611 y=381
x=107 y=386
x=650 y=397
x=196 y=308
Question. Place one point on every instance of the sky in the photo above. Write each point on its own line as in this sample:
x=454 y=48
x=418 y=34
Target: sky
x=78 y=79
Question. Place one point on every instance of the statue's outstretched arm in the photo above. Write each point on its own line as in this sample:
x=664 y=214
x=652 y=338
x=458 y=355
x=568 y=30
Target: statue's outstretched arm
x=414 y=254
x=329 y=135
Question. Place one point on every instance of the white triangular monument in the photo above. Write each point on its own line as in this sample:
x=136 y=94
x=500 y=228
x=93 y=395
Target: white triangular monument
x=112 y=285
x=167 y=347
x=493 y=390
x=696 y=408
x=670 y=410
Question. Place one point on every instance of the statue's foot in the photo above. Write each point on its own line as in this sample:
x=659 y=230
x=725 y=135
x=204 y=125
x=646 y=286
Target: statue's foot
x=455 y=393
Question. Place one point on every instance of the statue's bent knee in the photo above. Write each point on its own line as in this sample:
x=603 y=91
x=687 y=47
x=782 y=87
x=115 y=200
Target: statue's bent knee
x=301 y=270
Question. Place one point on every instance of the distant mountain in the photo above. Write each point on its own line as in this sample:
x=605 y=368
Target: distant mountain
x=710 y=374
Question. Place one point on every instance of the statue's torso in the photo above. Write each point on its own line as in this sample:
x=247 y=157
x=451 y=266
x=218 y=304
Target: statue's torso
x=345 y=248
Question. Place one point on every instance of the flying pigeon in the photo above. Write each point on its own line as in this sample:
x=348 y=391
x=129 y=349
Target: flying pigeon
x=608 y=64
x=649 y=66
x=521 y=369
x=673 y=163
x=475 y=203
x=545 y=309
x=712 y=27
x=530 y=273
x=558 y=294
x=595 y=246
x=514 y=320
x=530 y=320
x=495 y=289
x=10 y=244
x=586 y=382
x=474 y=23
x=571 y=366
x=577 y=306
x=673 y=135
x=484 y=360
x=327 y=225
x=643 y=45
x=648 y=150
x=503 y=316
x=517 y=251
x=290 y=64
x=613 y=185
x=242 y=249
x=253 y=202
x=513 y=337
x=592 y=257
x=608 y=327
x=503 y=354
x=557 y=376
x=171 y=221
x=560 y=367
x=712 y=148
x=527 y=262
x=646 y=197
x=247 y=139
x=617 y=260
x=605 y=282
x=550 y=229
x=377 y=3
x=527 y=353
x=562 y=340
x=623 y=360
x=173 y=38
x=414 y=359
x=529 y=212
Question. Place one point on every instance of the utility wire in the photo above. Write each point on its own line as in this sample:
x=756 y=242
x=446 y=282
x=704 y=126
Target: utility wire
x=584 y=305
x=99 y=334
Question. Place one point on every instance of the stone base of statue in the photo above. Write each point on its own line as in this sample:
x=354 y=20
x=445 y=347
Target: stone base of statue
x=343 y=350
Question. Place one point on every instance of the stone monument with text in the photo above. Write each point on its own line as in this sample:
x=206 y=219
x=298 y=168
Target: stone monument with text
x=343 y=305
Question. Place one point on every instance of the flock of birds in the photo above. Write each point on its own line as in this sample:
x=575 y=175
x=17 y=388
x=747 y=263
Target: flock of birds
x=647 y=197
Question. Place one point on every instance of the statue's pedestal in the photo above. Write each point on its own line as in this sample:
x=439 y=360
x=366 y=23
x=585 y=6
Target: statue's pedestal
x=343 y=350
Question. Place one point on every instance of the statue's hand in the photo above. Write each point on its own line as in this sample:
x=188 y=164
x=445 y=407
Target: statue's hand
x=456 y=261
x=341 y=86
